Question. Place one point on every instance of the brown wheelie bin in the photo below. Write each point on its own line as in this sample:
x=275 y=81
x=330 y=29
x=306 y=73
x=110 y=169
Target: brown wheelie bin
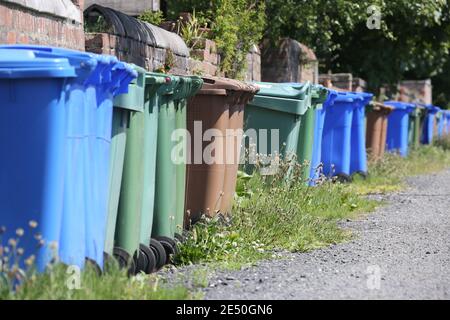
x=209 y=180
x=376 y=130
x=236 y=112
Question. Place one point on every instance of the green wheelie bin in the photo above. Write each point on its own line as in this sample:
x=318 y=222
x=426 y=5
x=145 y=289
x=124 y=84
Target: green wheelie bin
x=189 y=86
x=132 y=174
x=306 y=138
x=272 y=125
x=415 y=124
x=170 y=165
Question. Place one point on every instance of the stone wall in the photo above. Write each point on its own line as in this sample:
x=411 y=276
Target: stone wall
x=130 y=7
x=52 y=23
x=288 y=61
x=343 y=81
x=253 y=65
x=419 y=91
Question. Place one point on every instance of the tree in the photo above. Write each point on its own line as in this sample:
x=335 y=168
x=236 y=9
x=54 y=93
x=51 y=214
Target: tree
x=413 y=40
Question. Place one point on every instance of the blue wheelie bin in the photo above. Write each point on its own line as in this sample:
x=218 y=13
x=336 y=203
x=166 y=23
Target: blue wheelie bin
x=428 y=127
x=398 y=122
x=33 y=137
x=358 y=154
x=343 y=138
x=88 y=121
x=318 y=130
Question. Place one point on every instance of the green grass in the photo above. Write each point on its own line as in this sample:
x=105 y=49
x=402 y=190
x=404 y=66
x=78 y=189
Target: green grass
x=388 y=174
x=55 y=284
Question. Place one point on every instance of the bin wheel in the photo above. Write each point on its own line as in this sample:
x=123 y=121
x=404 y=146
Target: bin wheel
x=124 y=260
x=343 y=178
x=170 y=250
x=362 y=174
x=159 y=252
x=149 y=259
x=94 y=265
x=109 y=262
x=140 y=260
x=180 y=237
x=172 y=242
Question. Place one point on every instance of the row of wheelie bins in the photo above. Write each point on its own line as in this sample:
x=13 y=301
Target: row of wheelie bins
x=98 y=165
x=322 y=129
x=104 y=161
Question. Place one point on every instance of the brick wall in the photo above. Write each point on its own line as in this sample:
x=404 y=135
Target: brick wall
x=132 y=51
x=20 y=24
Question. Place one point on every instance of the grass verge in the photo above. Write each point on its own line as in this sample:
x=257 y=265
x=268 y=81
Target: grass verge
x=272 y=215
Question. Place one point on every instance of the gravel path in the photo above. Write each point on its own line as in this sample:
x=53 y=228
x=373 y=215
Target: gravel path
x=402 y=251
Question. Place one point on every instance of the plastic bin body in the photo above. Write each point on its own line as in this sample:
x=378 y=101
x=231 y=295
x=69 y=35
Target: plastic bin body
x=358 y=153
x=171 y=159
x=234 y=146
x=336 y=139
x=343 y=141
x=272 y=124
x=210 y=171
x=429 y=123
x=414 y=128
x=127 y=131
x=398 y=122
x=32 y=90
x=440 y=124
x=307 y=129
x=188 y=87
x=316 y=170
x=376 y=129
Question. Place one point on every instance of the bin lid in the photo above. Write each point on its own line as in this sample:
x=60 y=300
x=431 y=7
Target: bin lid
x=15 y=63
x=283 y=90
x=399 y=105
x=91 y=68
x=378 y=106
x=187 y=87
x=347 y=97
x=431 y=108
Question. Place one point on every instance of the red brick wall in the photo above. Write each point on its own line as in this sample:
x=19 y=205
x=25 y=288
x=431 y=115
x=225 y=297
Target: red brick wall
x=19 y=25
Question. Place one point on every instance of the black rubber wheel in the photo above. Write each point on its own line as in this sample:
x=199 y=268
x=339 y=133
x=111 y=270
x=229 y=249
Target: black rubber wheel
x=362 y=174
x=179 y=237
x=149 y=258
x=171 y=241
x=343 y=178
x=170 y=250
x=94 y=265
x=140 y=260
x=159 y=252
x=124 y=259
x=108 y=261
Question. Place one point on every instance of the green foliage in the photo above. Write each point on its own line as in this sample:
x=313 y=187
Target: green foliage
x=236 y=26
x=152 y=17
x=413 y=41
x=96 y=25
x=191 y=31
